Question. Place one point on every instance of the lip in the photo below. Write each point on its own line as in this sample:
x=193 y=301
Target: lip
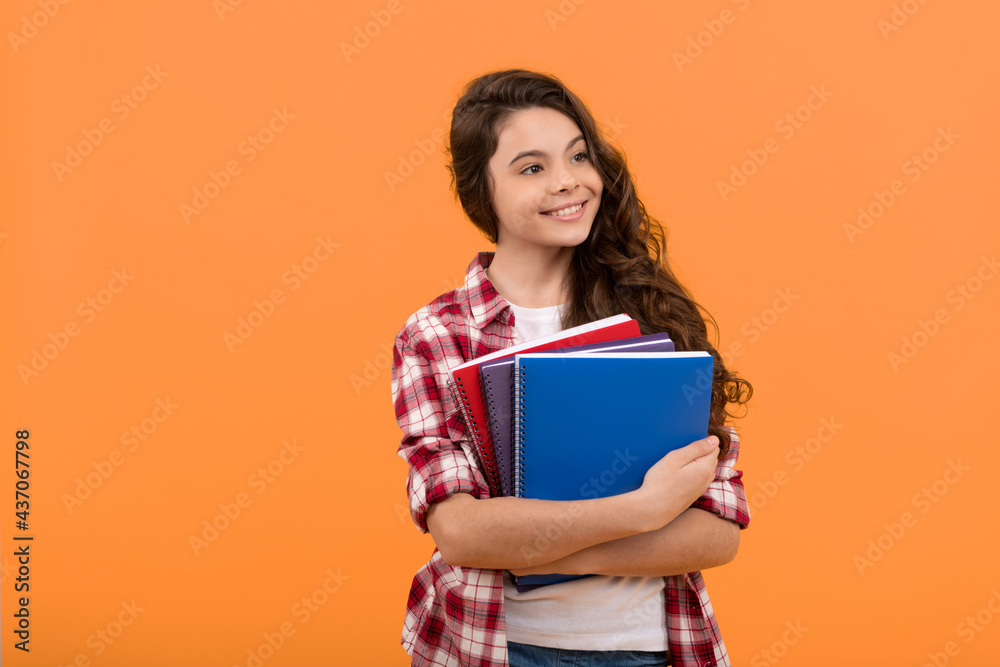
x=574 y=216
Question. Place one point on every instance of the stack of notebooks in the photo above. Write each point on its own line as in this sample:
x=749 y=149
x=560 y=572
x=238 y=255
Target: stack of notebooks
x=583 y=413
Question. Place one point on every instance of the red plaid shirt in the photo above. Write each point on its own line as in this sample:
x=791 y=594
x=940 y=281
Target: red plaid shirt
x=455 y=615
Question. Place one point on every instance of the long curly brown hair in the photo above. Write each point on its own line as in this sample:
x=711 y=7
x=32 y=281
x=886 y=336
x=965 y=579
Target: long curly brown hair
x=622 y=267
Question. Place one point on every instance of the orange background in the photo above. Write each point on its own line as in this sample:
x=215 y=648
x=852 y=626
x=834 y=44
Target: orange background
x=316 y=369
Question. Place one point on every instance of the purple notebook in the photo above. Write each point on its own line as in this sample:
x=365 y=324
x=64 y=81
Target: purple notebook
x=497 y=380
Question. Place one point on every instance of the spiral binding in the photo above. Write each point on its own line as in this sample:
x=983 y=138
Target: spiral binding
x=493 y=472
x=519 y=430
x=494 y=428
x=459 y=394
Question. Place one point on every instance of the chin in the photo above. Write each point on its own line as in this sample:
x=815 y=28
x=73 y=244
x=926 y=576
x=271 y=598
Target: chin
x=573 y=240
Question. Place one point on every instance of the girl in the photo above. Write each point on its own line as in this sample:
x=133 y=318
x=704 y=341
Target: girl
x=573 y=244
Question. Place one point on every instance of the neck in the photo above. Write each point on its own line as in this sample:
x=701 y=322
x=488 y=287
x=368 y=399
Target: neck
x=531 y=281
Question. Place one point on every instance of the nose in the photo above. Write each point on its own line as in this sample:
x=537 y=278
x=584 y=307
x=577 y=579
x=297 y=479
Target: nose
x=563 y=180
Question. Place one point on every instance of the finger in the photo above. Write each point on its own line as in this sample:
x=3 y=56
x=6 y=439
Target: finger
x=704 y=458
x=708 y=451
x=695 y=450
x=705 y=444
x=704 y=447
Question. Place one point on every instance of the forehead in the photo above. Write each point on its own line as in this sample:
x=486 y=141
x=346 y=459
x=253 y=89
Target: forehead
x=538 y=128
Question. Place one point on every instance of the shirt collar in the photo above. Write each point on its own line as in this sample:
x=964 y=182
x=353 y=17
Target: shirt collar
x=484 y=302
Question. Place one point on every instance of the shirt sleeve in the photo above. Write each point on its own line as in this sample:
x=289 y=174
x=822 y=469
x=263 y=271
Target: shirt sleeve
x=431 y=425
x=725 y=495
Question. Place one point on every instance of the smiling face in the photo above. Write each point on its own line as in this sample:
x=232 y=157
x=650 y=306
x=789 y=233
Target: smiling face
x=546 y=190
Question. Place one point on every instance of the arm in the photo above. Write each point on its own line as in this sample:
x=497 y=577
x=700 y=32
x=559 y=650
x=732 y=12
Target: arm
x=703 y=536
x=447 y=494
x=695 y=540
x=505 y=533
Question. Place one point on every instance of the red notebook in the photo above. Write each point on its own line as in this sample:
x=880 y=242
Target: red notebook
x=467 y=391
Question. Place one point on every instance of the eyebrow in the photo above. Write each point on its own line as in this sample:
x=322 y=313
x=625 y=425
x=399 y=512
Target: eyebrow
x=538 y=153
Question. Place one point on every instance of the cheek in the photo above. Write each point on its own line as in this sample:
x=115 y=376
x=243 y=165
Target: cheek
x=528 y=206
x=594 y=182
x=506 y=205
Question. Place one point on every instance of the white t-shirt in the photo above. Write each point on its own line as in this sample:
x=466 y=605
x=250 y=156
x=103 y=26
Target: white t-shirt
x=597 y=613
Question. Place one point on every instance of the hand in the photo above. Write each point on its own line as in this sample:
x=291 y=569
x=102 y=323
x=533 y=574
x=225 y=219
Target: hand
x=674 y=482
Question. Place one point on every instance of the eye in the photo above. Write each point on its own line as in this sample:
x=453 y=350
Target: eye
x=582 y=154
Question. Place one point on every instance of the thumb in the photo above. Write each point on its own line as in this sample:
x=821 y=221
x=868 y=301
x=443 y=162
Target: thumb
x=698 y=449
x=705 y=446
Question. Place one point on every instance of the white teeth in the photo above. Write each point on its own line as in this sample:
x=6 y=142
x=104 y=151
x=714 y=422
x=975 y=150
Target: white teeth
x=567 y=211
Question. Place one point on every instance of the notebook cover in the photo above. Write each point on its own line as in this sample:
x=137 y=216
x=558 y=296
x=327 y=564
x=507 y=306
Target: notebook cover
x=467 y=391
x=497 y=380
x=589 y=425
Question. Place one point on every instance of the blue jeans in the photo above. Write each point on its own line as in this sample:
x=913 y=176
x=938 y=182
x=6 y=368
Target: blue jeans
x=529 y=655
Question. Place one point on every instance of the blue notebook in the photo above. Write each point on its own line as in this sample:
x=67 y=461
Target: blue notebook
x=589 y=425
x=497 y=380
